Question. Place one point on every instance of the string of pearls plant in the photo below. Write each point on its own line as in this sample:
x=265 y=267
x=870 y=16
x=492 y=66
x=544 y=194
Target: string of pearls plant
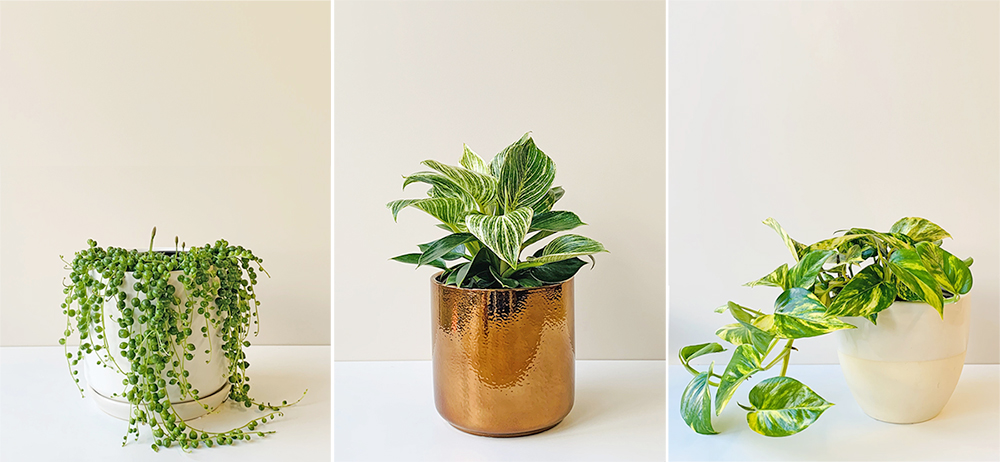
x=155 y=329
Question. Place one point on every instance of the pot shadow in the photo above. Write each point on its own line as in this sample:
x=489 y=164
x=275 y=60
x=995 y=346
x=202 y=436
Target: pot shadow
x=971 y=396
x=610 y=400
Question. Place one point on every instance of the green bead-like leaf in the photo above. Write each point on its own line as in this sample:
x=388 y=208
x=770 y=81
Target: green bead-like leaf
x=777 y=278
x=525 y=177
x=443 y=246
x=412 y=259
x=696 y=404
x=906 y=265
x=804 y=273
x=798 y=314
x=793 y=246
x=948 y=270
x=745 y=361
x=866 y=294
x=693 y=351
x=568 y=246
x=919 y=229
x=472 y=161
x=554 y=221
x=745 y=334
x=502 y=234
x=783 y=406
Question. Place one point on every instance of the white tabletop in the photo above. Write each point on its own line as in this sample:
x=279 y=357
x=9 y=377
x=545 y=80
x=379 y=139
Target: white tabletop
x=43 y=418
x=967 y=429
x=384 y=411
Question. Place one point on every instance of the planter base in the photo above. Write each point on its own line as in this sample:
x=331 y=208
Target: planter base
x=507 y=435
x=187 y=410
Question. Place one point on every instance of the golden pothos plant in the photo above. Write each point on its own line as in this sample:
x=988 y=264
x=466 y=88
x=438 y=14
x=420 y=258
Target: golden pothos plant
x=493 y=212
x=858 y=273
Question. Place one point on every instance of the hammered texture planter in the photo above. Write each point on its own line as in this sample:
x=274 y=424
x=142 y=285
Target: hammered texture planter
x=904 y=369
x=503 y=358
x=208 y=372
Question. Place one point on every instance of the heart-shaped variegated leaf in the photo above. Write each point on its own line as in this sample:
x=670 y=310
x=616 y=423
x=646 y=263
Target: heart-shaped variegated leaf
x=482 y=187
x=867 y=293
x=567 y=246
x=472 y=161
x=804 y=273
x=450 y=211
x=745 y=361
x=549 y=200
x=525 y=177
x=798 y=314
x=919 y=229
x=777 y=278
x=831 y=244
x=696 y=404
x=745 y=334
x=554 y=221
x=906 y=265
x=693 y=351
x=783 y=406
x=947 y=269
x=502 y=234
x=443 y=246
x=793 y=246
x=496 y=165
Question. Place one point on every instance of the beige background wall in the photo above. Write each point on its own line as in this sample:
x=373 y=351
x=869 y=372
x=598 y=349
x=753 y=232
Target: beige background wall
x=415 y=80
x=207 y=120
x=827 y=115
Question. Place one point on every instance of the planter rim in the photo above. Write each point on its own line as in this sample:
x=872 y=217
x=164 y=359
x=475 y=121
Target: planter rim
x=434 y=280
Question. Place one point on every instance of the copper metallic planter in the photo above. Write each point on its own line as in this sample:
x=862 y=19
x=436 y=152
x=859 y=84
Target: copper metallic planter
x=503 y=358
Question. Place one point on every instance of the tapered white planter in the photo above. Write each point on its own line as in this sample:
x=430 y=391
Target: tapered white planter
x=208 y=372
x=904 y=369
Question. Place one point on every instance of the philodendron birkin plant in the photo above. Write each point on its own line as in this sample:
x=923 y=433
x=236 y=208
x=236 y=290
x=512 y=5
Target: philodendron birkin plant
x=859 y=273
x=493 y=212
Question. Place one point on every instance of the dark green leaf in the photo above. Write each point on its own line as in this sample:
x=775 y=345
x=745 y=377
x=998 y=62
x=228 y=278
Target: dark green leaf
x=783 y=406
x=506 y=282
x=412 y=259
x=554 y=272
x=442 y=246
x=555 y=221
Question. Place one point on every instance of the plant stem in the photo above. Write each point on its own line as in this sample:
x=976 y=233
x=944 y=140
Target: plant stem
x=787 y=353
x=151 y=239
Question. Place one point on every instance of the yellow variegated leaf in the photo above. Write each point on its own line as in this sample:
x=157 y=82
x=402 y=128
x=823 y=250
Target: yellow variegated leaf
x=745 y=361
x=783 y=406
x=502 y=234
x=906 y=265
x=948 y=270
x=696 y=404
x=867 y=293
x=793 y=246
x=919 y=229
x=798 y=313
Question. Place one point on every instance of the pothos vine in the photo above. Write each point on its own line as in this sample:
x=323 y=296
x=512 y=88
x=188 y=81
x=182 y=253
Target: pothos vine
x=155 y=329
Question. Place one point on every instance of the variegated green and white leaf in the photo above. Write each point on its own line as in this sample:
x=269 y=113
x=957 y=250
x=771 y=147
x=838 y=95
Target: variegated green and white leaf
x=831 y=244
x=798 y=314
x=472 y=161
x=693 y=351
x=745 y=361
x=804 y=273
x=738 y=333
x=919 y=229
x=450 y=211
x=947 y=269
x=482 y=187
x=536 y=237
x=441 y=186
x=568 y=246
x=783 y=406
x=696 y=404
x=498 y=160
x=554 y=221
x=777 y=278
x=502 y=234
x=549 y=200
x=907 y=266
x=867 y=293
x=793 y=246
x=526 y=177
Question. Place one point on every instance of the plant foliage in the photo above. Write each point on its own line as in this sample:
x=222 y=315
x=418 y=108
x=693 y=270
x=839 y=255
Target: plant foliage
x=155 y=329
x=858 y=273
x=493 y=212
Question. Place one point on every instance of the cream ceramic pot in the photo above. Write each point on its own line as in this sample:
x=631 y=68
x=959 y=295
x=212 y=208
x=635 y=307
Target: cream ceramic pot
x=208 y=372
x=904 y=369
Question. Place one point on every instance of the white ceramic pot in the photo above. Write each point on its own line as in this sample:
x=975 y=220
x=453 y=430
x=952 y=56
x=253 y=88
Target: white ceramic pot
x=905 y=369
x=208 y=373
